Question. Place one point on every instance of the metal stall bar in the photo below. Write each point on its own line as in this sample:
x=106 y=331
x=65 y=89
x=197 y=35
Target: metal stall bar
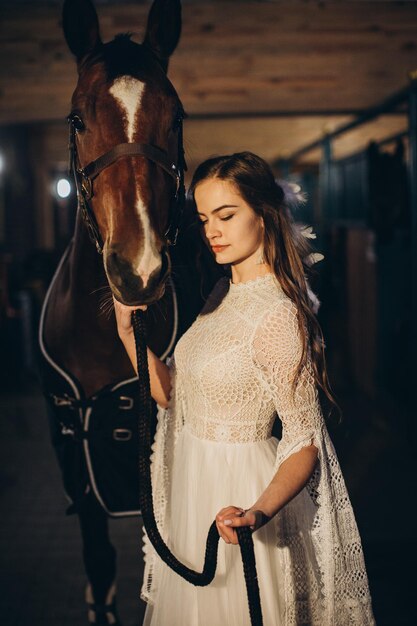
x=382 y=142
x=413 y=199
x=235 y=115
x=325 y=182
x=392 y=138
x=393 y=101
x=407 y=95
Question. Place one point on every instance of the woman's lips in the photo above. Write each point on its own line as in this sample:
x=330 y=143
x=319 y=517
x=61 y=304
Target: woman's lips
x=218 y=248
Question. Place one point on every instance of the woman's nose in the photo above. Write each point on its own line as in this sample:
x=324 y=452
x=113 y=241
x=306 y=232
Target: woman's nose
x=212 y=231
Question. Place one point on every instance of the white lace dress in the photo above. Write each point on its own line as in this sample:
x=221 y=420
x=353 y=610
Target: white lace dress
x=231 y=374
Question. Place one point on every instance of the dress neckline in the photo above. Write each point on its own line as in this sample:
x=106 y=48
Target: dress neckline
x=259 y=280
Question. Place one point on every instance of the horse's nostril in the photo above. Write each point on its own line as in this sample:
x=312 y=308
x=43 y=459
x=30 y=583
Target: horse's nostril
x=115 y=262
x=134 y=280
x=116 y=256
x=118 y=268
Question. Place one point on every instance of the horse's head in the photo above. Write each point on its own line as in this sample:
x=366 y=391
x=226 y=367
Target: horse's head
x=123 y=96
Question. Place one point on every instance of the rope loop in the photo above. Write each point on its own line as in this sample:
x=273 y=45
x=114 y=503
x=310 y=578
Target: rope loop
x=244 y=534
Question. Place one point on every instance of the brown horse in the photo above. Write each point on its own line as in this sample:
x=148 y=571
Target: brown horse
x=126 y=149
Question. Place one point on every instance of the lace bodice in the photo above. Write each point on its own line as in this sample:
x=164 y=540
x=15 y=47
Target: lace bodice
x=231 y=373
x=237 y=362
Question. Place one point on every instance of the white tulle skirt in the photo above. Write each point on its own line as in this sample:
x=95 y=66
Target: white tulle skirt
x=206 y=477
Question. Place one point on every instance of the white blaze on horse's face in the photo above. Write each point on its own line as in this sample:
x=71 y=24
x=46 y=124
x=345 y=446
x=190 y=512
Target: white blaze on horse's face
x=128 y=93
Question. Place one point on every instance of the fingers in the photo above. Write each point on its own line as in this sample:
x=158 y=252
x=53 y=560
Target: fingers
x=226 y=529
x=248 y=519
x=124 y=315
x=124 y=307
x=228 y=535
x=254 y=518
x=224 y=532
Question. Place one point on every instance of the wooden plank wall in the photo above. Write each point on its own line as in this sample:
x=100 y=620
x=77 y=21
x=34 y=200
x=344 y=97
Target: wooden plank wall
x=234 y=57
x=239 y=56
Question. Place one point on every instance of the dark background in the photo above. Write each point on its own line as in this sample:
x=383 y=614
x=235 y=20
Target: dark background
x=265 y=76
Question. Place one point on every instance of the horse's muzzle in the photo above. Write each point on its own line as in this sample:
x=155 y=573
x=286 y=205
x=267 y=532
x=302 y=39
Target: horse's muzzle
x=128 y=287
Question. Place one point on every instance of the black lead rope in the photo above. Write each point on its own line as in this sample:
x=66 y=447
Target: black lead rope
x=244 y=534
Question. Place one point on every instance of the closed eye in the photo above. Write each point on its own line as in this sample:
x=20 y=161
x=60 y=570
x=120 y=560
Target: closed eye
x=223 y=219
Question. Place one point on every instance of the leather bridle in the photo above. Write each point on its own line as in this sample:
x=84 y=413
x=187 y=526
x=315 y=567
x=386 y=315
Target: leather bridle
x=84 y=177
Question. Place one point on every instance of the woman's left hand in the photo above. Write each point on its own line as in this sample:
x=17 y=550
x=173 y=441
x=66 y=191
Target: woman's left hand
x=231 y=517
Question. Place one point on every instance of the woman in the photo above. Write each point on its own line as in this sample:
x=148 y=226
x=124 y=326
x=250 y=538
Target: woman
x=255 y=350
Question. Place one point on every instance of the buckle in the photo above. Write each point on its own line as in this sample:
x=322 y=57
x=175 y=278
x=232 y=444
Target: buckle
x=128 y=403
x=122 y=434
x=67 y=431
x=86 y=185
x=64 y=400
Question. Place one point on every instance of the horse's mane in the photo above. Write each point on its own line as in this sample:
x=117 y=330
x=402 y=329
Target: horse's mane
x=122 y=55
x=119 y=55
x=122 y=38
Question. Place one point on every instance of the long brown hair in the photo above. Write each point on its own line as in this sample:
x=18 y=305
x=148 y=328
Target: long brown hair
x=284 y=249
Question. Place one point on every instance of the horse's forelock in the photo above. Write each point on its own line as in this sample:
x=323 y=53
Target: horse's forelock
x=119 y=57
x=122 y=57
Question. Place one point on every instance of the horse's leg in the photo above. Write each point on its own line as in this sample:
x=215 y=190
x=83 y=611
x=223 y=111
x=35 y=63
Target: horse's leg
x=99 y=560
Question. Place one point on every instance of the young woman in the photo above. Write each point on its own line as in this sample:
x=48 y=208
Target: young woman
x=255 y=351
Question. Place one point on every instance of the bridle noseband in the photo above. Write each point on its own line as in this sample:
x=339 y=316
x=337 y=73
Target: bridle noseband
x=84 y=177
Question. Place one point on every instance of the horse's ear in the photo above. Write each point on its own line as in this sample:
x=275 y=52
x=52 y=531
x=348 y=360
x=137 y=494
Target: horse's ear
x=81 y=29
x=163 y=29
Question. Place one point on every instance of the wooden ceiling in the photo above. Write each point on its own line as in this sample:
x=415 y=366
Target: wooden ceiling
x=324 y=61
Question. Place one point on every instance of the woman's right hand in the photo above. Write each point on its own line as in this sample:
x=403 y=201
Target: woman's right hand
x=124 y=317
x=159 y=375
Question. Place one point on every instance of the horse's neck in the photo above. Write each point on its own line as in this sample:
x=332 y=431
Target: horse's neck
x=85 y=267
x=79 y=335
x=88 y=293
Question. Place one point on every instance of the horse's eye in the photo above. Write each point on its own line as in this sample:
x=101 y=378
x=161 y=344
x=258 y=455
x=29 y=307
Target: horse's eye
x=77 y=122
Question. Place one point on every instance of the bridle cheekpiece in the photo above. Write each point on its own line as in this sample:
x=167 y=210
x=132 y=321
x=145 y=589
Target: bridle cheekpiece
x=85 y=176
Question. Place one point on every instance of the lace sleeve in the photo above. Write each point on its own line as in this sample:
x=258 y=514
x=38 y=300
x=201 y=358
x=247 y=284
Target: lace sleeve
x=317 y=529
x=277 y=347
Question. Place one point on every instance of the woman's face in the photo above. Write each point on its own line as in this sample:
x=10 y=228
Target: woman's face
x=232 y=228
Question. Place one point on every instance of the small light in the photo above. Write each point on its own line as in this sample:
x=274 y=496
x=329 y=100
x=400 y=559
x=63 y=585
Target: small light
x=63 y=188
x=1 y=163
